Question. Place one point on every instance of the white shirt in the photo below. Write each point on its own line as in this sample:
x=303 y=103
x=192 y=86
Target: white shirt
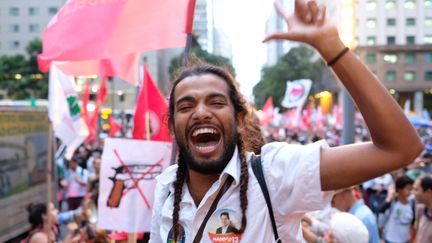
x=293 y=180
x=397 y=228
x=74 y=189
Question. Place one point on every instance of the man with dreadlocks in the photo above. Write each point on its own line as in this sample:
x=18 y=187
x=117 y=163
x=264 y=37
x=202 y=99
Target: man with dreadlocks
x=214 y=132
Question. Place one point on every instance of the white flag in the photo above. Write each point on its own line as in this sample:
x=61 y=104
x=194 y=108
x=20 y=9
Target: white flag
x=64 y=111
x=127 y=183
x=296 y=93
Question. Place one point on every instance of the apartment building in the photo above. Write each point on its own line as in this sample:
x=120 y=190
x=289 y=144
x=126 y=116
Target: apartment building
x=395 y=39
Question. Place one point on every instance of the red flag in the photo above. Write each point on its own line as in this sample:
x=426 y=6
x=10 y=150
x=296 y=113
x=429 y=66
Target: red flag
x=85 y=101
x=100 y=100
x=267 y=111
x=153 y=105
x=115 y=127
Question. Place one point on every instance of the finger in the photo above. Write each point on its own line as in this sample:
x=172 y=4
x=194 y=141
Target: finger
x=302 y=11
x=313 y=11
x=322 y=14
x=280 y=10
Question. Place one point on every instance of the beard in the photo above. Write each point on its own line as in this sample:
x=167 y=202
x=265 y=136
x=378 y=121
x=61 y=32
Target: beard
x=208 y=166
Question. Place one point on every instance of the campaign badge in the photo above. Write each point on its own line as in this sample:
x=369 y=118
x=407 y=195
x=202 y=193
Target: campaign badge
x=181 y=237
x=224 y=226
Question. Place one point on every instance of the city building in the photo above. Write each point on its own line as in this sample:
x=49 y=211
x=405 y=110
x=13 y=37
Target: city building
x=395 y=40
x=24 y=21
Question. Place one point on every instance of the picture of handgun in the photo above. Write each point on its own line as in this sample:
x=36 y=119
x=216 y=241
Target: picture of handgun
x=122 y=179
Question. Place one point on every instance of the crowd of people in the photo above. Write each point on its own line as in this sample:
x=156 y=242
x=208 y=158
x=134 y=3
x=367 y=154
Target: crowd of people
x=391 y=206
x=215 y=133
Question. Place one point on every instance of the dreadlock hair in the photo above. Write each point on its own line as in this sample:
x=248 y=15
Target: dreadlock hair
x=248 y=139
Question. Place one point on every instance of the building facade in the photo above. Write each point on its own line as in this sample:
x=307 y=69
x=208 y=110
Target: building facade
x=395 y=40
x=23 y=21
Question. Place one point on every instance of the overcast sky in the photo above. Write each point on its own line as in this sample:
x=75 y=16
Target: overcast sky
x=244 y=23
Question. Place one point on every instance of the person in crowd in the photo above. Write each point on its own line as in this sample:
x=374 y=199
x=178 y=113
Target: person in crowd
x=76 y=183
x=38 y=217
x=423 y=194
x=209 y=119
x=398 y=212
x=346 y=200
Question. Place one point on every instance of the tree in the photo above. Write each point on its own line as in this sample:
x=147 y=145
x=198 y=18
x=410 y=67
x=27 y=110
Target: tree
x=20 y=76
x=296 y=64
x=177 y=63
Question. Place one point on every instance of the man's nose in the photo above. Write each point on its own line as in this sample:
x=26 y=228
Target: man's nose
x=202 y=112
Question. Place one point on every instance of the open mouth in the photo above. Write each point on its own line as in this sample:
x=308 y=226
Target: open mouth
x=205 y=140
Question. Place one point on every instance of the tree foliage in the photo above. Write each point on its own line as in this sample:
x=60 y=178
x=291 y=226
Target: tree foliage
x=20 y=76
x=298 y=63
x=197 y=51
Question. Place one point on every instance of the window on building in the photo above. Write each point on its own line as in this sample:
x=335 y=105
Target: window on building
x=409 y=4
x=391 y=75
x=390 y=4
x=427 y=39
x=391 y=40
x=371 y=23
x=371 y=5
x=410 y=40
x=52 y=10
x=14 y=28
x=428 y=22
x=14 y=11
x=390 y=58
x=371 y=58
x=34 y=28
x=428 y=75
x=371 y=40
x=428 y=3
x=391 y=22
x=14 y=45
x=428 y=57
x=410 y=58
x=409 y=76
x=410 y=22
x=33 y=11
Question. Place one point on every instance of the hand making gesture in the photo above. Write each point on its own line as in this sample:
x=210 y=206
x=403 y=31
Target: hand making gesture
x=395 y=143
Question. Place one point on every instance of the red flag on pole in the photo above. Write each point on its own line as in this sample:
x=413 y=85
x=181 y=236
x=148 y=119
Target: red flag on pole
x=100 y=100
x=85 y=101
x=151 y=106
x=267 y=111
x=115 y=127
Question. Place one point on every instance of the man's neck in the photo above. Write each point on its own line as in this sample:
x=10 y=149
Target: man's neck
x=199 y=184
x=403 y=200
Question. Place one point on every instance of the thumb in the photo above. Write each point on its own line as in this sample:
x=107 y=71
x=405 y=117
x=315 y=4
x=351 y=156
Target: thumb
x=281 y=36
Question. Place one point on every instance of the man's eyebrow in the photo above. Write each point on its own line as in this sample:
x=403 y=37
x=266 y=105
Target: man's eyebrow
x=184 y=99
x=216 y=95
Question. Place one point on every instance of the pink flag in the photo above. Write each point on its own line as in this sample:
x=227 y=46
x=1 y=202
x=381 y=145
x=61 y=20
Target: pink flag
x=89 y=30
x=267 y=112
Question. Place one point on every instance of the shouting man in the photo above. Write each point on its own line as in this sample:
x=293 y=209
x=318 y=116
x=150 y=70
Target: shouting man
x=213 y=128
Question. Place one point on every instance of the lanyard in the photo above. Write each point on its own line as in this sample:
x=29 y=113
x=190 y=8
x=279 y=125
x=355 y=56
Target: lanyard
x=212 y=208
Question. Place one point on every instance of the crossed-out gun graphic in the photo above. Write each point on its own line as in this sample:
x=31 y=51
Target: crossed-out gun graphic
x=124 y=179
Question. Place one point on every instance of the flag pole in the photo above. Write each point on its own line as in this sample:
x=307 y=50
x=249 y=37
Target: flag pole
x=49 y=178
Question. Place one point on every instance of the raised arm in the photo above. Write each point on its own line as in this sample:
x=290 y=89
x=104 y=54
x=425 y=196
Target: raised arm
x=395 y=143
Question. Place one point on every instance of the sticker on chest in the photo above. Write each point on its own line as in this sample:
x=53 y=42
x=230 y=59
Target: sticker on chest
x=181 y=236
x=224 y=226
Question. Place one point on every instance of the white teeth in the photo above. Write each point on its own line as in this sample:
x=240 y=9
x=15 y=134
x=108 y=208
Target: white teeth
x=203 y=130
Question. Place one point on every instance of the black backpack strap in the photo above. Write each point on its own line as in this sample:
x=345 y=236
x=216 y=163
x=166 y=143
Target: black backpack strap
x=258 y=171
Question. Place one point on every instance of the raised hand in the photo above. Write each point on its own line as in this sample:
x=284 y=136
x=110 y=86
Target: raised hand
x=307 y=24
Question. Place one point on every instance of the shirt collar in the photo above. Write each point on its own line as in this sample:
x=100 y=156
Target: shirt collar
x=356 y=205
x=232 y=169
